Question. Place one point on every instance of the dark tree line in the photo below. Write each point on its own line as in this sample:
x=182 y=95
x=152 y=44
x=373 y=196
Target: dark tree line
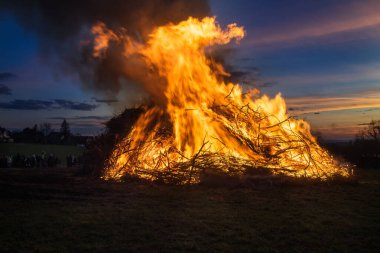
x=43 y=134
x=364 y=151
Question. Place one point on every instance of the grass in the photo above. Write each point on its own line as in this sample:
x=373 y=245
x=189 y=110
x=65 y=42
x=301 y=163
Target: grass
x=52 y=210
x=61 y=151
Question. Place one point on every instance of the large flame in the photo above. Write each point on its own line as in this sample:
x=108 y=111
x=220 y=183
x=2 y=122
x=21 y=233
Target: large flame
x=199 y=122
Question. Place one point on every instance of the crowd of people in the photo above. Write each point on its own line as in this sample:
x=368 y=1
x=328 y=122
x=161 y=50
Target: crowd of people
x=72 y=161
x=42 y=160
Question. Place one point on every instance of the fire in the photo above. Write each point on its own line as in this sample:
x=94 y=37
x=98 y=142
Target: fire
x=200 y=123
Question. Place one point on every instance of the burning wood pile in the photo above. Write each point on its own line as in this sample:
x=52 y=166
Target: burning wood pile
x=199 y=123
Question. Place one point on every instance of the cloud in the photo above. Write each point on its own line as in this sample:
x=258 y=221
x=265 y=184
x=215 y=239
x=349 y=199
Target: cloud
x=105 y=101
x=29 y=104
x=340 y=132
x=242 y=76
x=267 y=84
x=93 y=117
x=365 y=72
x=5 y=90
x=33 y=104
x=67 y=104
x=305 y=105
x=349 y=17
x=4 y=76
x=248 y=76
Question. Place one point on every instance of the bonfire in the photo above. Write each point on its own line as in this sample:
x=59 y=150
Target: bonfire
x=199 y=123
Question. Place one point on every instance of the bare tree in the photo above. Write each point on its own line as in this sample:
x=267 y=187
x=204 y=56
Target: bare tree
x=45 y=128
x=372 y=132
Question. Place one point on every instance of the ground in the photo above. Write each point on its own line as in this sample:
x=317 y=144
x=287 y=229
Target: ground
x=61 y=151
x=53 y=210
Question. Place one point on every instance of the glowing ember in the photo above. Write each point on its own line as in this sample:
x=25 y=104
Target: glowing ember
x=198 y=122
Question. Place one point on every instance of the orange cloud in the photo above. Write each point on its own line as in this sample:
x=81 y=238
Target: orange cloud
x=326 y=115
x=304 y=105
x=339 y=132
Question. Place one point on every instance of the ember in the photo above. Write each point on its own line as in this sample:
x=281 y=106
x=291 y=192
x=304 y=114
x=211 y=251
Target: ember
x=199 y=123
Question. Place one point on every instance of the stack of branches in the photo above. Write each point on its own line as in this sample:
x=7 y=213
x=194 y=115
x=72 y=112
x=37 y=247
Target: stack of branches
x=276 y=149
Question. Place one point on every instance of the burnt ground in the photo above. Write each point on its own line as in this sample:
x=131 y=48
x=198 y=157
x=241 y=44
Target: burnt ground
x=52 y=210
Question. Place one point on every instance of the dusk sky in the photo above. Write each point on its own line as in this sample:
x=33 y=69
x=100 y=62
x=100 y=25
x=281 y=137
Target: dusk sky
x=323 y=56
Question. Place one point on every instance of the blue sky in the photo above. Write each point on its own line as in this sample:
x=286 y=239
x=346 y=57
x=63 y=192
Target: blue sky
x=323 y=56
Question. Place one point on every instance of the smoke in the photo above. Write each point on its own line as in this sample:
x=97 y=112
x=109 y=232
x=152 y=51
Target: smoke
x=64 y=32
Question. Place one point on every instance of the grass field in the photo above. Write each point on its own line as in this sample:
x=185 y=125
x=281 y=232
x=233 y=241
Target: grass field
x=52 y=210
x=61 y=151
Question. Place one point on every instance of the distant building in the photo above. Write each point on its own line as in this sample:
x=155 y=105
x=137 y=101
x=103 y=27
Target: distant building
x=5 y=136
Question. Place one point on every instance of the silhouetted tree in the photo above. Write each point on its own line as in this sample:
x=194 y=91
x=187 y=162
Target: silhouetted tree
x=366 y=147
x=28 y=135
x=372 y=132
x=65 y=132
x=45 y=129
x=364 y=150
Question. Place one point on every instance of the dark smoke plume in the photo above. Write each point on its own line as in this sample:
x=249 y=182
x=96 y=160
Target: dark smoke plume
x=63 y=29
